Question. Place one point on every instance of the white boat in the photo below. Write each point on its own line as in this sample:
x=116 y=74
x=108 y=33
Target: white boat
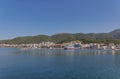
x=73 y=47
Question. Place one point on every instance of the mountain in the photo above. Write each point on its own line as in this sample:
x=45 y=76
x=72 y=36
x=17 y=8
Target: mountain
x=113 y=37
x=116 y=33
x=28 y=39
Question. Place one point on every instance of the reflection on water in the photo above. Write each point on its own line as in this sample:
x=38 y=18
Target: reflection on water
x=59 y=64
x=62 y=52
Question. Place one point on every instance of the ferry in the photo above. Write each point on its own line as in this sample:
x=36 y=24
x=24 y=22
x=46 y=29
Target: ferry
x=73 y=47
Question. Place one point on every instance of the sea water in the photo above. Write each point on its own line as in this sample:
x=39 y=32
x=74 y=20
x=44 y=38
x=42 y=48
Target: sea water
x=16 y=63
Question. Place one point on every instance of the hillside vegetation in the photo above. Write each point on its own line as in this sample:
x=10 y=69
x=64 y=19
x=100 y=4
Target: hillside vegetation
x=112 y=37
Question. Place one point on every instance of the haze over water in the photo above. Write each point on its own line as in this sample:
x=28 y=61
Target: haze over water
x=59 y=64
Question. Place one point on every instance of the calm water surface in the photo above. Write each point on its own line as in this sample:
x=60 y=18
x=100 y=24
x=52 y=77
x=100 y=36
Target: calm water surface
x=59 y=64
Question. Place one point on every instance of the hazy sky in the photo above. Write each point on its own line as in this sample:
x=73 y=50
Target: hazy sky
x=34 y=17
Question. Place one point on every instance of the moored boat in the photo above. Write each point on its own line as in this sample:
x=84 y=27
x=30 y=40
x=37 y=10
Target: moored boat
x=73 y=47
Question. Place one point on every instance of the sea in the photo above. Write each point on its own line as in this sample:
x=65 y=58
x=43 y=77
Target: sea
x=18 y=63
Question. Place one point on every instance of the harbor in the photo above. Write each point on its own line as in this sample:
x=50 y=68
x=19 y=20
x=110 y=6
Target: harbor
x=73 y=45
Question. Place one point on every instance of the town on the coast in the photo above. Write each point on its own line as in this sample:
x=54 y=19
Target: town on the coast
x=68 y=41
x=67 y=46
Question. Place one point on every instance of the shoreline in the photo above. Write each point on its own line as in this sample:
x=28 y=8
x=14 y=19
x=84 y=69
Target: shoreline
x=62 y=48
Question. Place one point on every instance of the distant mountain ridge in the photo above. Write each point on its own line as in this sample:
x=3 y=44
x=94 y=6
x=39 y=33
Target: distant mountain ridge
x=113 y=36
x=116 y=33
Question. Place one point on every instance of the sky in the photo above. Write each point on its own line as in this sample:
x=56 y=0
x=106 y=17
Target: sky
x=35 y=17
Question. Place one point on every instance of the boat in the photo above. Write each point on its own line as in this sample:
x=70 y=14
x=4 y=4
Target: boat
x=73 y=47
